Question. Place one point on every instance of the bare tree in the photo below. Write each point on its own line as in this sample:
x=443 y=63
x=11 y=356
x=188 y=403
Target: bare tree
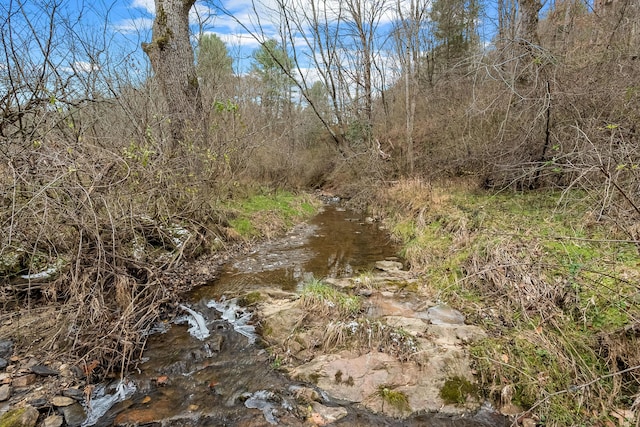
x=172 y=59
x=410 y=44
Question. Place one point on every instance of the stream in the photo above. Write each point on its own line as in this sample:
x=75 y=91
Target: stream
x=212 y=370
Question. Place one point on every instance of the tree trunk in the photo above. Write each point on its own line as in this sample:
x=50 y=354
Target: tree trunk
x=172 y=59
x=527 y=24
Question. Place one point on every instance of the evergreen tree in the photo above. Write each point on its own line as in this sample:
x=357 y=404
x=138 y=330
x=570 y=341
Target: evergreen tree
x=273 y=66
x=454 y=29
x=214 y=63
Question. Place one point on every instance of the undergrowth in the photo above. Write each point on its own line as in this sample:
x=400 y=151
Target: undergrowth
x=345 y=326
x=555 y=288
x=113 y=252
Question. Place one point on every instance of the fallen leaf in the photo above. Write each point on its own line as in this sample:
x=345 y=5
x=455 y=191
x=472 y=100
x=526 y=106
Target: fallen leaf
x=88 y=368
x=505 y=358
x=146 y=399
x=162 y=380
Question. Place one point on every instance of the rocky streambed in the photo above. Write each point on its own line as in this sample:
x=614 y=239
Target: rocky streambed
x=403 y=355
x=269 y=344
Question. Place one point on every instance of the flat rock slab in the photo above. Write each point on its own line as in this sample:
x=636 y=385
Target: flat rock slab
x=389 y=266
x=367 y=374
x=325 y=415
x=62 y=401
x=359 y=379
x=24 y=380
x=44 y=371
x=443 y=314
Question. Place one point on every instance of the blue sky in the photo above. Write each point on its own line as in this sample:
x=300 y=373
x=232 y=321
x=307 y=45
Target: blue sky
x=108 y=33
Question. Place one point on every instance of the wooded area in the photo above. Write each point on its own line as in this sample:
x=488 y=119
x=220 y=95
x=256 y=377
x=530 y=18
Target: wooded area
x=102 y=154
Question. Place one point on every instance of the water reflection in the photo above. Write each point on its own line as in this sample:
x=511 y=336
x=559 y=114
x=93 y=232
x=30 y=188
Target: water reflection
x=335 y=243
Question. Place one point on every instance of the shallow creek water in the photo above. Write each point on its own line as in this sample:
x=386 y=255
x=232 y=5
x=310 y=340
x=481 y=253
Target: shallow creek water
x=227 y=378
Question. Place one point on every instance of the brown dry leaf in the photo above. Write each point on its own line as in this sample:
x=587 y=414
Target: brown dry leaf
x=539 y=329
x=89 y=368
x=625 y=417
x=146 y=399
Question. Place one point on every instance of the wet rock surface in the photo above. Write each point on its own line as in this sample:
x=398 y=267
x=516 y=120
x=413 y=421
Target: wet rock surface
x=355 y=374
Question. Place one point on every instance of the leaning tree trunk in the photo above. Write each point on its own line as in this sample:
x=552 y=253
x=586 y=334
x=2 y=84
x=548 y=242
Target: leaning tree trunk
x=172 y=59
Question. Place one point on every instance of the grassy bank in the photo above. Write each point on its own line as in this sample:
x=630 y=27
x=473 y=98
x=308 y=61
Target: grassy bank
x=555 y=286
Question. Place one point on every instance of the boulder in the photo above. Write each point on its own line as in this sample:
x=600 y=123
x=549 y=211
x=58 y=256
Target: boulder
x=20 y=417
x=74 y=414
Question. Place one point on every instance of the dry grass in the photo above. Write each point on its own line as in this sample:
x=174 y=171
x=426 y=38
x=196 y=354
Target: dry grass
x=558 y=296
x=364 y=335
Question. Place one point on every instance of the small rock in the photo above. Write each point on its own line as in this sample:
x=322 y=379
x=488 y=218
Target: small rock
x=162 y=380
x=53 y=421
x=388 y=266
x=73 y=393
x=74 y=415
x=444 y=315
x=43 y=371
x=327 y=415
x=5 y=392
x=24 y=381
x=216 y=343
x=365 y=292
x=510 y=409
x=38 y=402
x=3 y=363
x=6 y=348
x=306 y=395
x=61 y=401
x=21 y=417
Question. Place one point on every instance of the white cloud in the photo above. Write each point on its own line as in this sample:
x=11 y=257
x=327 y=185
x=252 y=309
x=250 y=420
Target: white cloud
x=147 y=5
x=236 y=41
x=133 y=25
x=85 y=67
